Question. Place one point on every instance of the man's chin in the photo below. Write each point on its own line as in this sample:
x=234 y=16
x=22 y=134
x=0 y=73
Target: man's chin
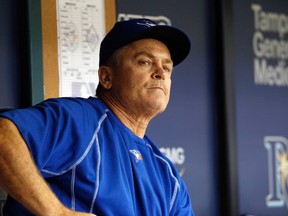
x=158 y=107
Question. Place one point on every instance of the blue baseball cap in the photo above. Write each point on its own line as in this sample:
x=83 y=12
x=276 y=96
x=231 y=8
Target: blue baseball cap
x=125 y=32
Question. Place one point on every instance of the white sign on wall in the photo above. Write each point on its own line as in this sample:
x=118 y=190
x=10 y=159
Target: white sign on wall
x=81 y=28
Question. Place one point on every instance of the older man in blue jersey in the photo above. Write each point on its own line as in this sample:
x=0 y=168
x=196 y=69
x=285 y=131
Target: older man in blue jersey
x=76 y=156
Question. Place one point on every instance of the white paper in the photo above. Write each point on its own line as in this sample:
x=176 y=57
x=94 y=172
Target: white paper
x=81 y=28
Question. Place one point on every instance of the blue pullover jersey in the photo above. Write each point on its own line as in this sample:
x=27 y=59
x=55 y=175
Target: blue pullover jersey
x=95 y=164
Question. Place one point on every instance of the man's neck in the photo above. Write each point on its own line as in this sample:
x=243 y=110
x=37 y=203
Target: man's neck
x=135 y=122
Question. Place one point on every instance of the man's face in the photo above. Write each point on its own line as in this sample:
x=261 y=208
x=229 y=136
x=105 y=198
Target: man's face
x=142 y=80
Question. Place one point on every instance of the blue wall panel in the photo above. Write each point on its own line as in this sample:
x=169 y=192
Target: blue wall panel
x=261 y=75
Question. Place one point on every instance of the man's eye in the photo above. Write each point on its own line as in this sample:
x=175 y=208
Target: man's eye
x=144 y=62
x=168 y=69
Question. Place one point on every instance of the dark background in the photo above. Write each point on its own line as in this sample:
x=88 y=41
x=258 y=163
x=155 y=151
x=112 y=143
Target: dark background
x=217 y=117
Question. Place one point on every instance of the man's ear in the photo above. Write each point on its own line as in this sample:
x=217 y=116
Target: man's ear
x=105 y=76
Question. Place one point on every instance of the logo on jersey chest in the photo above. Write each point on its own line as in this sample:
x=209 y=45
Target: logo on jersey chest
x=137 y=155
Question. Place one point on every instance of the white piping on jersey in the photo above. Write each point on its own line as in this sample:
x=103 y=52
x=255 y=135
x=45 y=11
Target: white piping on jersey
x=84 y=154
x=99 y=159
x=73 y=167
x=73 y=188
x=177 y=185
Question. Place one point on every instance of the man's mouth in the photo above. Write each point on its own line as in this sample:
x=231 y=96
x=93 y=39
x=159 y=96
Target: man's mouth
x=157 y=87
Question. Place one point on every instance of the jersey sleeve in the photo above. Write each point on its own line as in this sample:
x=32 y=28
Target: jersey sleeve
x=57 y=131
x=183 y=204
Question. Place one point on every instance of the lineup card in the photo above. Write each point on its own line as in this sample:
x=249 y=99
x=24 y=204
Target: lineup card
x=81 y=28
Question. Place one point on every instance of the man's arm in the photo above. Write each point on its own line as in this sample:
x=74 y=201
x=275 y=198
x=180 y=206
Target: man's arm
x=20 y=178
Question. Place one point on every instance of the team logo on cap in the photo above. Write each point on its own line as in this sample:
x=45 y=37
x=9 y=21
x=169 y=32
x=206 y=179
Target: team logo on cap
x=147 y=23
x=159 y=20
x=137 y=154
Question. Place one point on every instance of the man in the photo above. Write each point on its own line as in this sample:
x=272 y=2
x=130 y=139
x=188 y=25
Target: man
x=66 y=156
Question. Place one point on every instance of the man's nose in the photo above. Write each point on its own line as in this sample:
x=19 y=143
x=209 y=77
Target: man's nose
x=159 y=73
